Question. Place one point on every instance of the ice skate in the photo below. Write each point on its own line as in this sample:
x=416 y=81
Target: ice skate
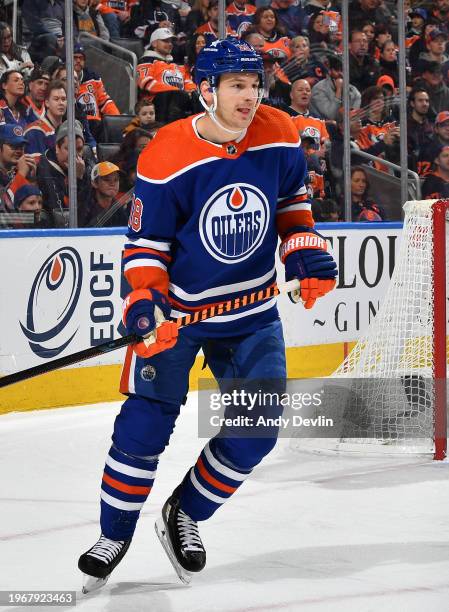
x=99 y=561
x=180 y=537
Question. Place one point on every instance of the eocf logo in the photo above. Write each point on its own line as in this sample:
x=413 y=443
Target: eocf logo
x=52 y=301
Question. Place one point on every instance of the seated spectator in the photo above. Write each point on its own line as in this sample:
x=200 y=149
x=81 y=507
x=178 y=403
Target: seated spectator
x=435 y=52
x=419 y=130
x=145 y=116
x=193 y=47
x=266 y=23
x=368 y=28
x=313 y=127
x=12 y=105
x=240 y=15
x=12 y=56
x=162 y=80
x=301 y=65
x=363 y=69
x=105 y=187
x=197 y=17
x=374 y=11
x=436 y=183
x=45 y=19
x=126 y=158
x=314 y=181
x=60 y=74
x=291 y=17
x=386 y=83
x=276 y=88
x=28 y=212
x=388 y=61
x=317 y=6
x=52 y=178
x=440 y=12
x=319 y=34
x=382 y=35
x=88 y=19
x=211 y=25
x=376 y=111
x=439 y=138
x=115 y=14
x=37 y=91
x=363 y=207
x=16 y=168
x=432 y=80
x=420 y=46
x=415 y=25
x=92 y=95
x=327 y=94
x=41 y=134
x=325 y=211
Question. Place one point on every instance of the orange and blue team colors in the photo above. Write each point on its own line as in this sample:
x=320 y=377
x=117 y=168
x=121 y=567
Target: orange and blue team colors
x=204 y=230
x=157 y=76
x=94 y=98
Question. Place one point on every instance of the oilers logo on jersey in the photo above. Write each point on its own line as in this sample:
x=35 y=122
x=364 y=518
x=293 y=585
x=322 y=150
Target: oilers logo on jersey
x=173 y=78
x=233 y=222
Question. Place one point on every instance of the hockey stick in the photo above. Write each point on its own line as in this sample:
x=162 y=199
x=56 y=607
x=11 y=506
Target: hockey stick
x=189 y=319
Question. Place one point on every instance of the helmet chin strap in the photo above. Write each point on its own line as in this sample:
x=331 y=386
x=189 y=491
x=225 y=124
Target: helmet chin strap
x=212 y=109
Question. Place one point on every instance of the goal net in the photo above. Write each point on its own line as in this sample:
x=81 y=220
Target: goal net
x=392 y=396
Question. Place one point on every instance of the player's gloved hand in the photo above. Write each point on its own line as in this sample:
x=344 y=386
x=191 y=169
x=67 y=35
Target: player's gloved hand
x=305 y=257
x=144 y=313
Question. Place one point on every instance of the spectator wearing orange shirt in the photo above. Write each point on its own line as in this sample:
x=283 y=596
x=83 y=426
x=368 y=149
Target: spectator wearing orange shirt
x=266 y=23
x=211 y=25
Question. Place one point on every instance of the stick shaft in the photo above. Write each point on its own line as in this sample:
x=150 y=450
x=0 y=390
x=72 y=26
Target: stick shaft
x=190 y=319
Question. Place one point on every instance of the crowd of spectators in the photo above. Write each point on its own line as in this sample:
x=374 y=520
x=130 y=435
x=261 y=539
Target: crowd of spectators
x=300 y=42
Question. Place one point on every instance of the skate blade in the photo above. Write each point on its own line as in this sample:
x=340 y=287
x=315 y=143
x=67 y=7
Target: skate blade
x=160 y=529
x=91 y=583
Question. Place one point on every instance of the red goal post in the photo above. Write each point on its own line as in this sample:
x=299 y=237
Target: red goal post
x=398 y=369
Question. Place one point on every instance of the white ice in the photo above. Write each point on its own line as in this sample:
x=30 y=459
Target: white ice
x=306 y=532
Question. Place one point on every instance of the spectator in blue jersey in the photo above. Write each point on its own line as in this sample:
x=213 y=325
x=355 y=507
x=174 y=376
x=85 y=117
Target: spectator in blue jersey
x=12 y=105
x=291 y=16
x=228 y=183
x=41 y=134
x=16 y=168
x=37 y=90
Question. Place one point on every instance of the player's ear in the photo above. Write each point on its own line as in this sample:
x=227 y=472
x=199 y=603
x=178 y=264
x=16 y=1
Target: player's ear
x=206 y=91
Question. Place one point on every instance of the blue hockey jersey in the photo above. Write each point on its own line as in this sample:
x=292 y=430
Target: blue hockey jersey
x=206 y=217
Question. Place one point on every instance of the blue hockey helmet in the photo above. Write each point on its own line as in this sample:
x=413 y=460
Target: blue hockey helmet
x=225 y=56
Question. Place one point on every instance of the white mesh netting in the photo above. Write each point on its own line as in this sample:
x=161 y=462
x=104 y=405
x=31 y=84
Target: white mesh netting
x=387 y=400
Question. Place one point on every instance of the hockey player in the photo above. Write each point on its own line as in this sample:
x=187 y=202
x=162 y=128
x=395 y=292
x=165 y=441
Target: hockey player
x=204 y=228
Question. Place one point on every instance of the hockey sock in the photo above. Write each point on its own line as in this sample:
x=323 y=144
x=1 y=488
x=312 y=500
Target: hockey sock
x=209 y=483
x=126 y=484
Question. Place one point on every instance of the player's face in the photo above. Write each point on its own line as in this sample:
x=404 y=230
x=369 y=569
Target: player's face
x=237 y=100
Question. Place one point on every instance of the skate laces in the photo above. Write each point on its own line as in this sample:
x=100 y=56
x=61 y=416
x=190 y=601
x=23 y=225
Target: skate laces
x=188 y=532
x=105 y=549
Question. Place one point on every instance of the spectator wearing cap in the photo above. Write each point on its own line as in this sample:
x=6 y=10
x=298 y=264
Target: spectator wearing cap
x=327 y=94
x=439 y=137
x=162 y=80
x=92 y=95
x=420 y=45
x=386 y=83
x=435 y=51
x=415 y=25
x=432 y=80
x=105 y=180
x=436 y=183
x=52 y=177
x=442 y=128
x=16 y=168
x=363 y=69
x=45 y=19
x=41 y=134
x=211 y=26
x=37 y=92
x=12 y=106
x=88 y=19
x=27 y=211
x=13 y=56
x=419 y=130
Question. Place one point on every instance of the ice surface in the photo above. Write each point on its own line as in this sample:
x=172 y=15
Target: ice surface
x=305 y=533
